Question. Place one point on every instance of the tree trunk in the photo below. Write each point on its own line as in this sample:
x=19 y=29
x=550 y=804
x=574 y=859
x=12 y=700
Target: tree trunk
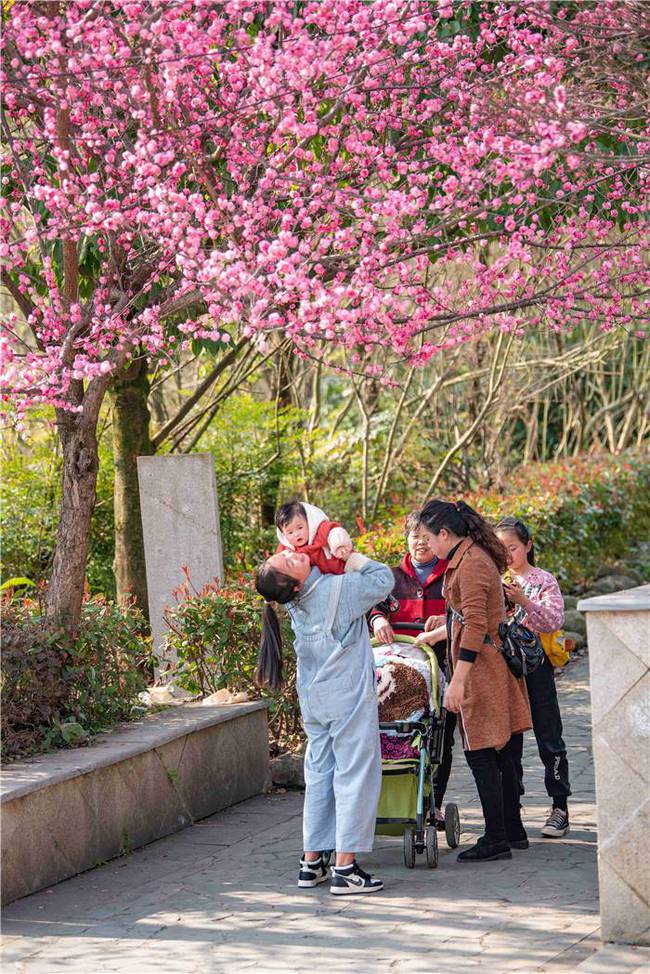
x=130 y=418
x=80 y=464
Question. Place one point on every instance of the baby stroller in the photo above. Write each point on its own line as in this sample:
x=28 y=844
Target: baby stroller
x=411 y=754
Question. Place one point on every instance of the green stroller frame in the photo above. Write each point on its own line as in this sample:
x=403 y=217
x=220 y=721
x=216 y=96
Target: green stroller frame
x=406 y=806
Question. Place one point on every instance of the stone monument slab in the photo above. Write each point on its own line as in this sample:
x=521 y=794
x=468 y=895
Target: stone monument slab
x=180 y=522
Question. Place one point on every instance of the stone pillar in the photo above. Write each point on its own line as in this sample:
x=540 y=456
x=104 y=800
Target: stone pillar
x=618 y=634
x=180 y=522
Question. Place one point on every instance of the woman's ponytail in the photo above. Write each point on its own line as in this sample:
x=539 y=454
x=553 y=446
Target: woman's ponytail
x=484 y=534
x=277 y=587
x=464 y=521
x=269 y=661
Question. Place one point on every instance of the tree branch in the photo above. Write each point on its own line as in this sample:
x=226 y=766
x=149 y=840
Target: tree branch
x=200 y=391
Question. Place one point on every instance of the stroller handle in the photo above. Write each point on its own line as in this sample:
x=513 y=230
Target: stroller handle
x=404 y=726
x=412 y=626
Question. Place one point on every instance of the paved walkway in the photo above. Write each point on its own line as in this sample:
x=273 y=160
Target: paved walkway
x=221 y=896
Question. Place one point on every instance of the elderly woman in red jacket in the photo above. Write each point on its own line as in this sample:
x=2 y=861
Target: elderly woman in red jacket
x=417 y=596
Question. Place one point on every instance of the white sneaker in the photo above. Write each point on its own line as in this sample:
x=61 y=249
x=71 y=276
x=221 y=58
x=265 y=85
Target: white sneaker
x=312 y=872
x=348 y=880
x=557 y=824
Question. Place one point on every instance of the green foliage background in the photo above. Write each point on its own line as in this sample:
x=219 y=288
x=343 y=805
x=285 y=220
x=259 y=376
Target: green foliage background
x=583 y=513
x=29 y=499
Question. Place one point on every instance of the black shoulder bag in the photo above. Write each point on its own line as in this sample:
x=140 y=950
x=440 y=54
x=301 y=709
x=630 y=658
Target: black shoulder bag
x=520 y=647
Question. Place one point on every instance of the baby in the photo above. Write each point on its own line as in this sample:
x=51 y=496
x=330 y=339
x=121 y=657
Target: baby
x=307 y=530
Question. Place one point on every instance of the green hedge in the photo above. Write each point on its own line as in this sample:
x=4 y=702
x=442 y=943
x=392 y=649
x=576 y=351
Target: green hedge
x=583 y=513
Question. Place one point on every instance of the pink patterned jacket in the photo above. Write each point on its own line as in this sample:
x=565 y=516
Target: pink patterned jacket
x=546 y=612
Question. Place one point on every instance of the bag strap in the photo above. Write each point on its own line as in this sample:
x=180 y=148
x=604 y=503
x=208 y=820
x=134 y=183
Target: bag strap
x=453 y=616
x=333 y=604
x=456 y=616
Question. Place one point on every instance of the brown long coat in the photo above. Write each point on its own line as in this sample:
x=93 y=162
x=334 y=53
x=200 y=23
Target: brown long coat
x=495 y=705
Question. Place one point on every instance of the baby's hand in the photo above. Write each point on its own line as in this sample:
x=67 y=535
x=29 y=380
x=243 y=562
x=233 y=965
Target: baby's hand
x=343 y=551
x=339 y=543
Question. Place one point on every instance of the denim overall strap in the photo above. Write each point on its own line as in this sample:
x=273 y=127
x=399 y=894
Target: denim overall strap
x=333 y=604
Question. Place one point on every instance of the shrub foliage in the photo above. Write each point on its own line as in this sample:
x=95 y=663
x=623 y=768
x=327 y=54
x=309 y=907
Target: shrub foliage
x=55 y=694
x=215 y=634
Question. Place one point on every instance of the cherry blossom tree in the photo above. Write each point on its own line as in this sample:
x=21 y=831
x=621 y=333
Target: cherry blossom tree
x=236 y=170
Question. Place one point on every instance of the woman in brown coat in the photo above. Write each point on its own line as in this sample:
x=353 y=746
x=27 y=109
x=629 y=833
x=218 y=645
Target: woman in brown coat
x=492 y=705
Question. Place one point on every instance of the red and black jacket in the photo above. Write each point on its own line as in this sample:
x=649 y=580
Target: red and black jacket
x=410 y=601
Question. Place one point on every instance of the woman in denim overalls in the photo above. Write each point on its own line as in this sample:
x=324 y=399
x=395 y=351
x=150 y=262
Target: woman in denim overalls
x=336 y=690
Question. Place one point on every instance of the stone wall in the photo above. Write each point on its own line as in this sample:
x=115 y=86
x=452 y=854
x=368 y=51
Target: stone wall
x=67 y=811
x=618 y=631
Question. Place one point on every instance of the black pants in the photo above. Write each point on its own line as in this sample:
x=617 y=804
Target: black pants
x=547 y=725
x=442 y=778
x=497 y=780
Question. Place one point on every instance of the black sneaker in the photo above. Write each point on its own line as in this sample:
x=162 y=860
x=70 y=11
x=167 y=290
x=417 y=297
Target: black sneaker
x=557 y=824
x=485 y=851
x=347 y=880
x=312 y=873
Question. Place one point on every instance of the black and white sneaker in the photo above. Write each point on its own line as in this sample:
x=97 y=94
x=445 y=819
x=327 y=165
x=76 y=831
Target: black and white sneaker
x=312 y=873
x=347 y=880
x=557 y=824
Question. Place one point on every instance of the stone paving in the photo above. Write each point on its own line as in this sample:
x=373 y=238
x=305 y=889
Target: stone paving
x=221 y=896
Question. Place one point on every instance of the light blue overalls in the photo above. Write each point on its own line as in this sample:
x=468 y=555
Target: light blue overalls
x=336 y=689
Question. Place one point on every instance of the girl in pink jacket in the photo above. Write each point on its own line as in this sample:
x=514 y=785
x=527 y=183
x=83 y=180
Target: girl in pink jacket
x=540 y=606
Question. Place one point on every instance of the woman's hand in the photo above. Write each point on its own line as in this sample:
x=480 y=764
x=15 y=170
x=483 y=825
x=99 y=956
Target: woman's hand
x=455 y=694
x=456 y=690
x=430 y=638
x=433 y=622
x=516 y=594
x=383 y=631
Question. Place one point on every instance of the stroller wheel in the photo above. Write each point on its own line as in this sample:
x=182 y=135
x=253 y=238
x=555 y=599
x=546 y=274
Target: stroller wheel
x=452 y=825
x=432 y=846
x=409 y=847
x=326 y=855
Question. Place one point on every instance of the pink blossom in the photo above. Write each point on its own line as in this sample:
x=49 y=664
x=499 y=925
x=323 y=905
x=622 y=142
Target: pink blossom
x=307 y=176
